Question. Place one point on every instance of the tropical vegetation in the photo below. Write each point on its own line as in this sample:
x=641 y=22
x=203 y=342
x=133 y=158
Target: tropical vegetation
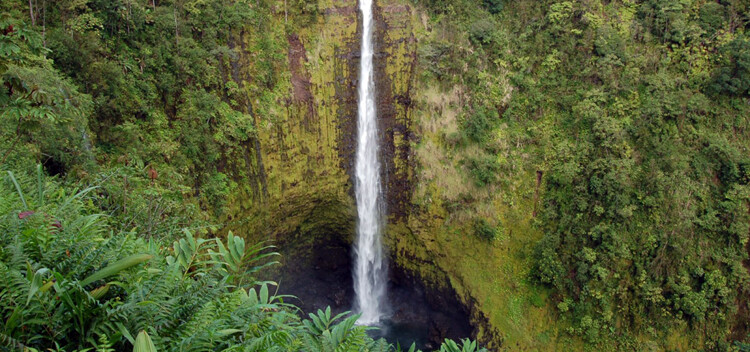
x=599 y=149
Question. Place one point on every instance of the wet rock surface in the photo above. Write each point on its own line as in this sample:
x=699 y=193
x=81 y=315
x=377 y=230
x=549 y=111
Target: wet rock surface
x=433 y=315
x=318 y=277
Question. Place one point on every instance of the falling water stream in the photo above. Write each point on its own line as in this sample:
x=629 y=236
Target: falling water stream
x=370 y=268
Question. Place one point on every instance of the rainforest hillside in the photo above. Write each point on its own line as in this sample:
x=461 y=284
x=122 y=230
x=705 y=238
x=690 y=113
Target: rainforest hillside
x=575 y=174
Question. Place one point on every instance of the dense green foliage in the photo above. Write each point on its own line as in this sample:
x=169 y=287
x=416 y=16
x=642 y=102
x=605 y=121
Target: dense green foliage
x=42 y=112
x=145 y=101
x=162 y=83
x=74 y=282
x=636 y=113
x=633 y=114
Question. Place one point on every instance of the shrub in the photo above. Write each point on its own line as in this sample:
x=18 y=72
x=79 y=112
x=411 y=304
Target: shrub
x=482 y=31
x=609 y=42
x=494 y=6
x=667 y=19
x=711 y=17
x=435 y=57
x=483 y=170
x=478 y=126
x=734 y=75
x=483 y=230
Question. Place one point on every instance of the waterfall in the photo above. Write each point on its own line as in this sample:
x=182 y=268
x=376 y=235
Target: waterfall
x=370 y=267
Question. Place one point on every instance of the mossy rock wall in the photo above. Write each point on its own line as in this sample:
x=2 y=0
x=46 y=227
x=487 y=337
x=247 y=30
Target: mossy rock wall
x=306 y=149
x=305 y=143
x=303 y=155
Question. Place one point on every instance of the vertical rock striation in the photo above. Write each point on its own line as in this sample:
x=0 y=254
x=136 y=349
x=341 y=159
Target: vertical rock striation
x=308 y=137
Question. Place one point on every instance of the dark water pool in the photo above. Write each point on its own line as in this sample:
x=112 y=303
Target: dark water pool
x=322 y=277
x=403 y=334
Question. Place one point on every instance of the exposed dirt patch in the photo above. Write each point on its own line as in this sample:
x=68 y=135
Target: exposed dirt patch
x=297 y=56
x=341 y=11
x=539 y=174
x=395 y=8
x=741 y=327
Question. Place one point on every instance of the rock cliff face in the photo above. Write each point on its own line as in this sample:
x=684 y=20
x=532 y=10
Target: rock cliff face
x=306 y=140
x=298 y=187
x=305 y=151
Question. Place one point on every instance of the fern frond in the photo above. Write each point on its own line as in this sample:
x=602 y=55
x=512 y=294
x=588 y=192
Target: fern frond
x=8 y=341
x=18 y=189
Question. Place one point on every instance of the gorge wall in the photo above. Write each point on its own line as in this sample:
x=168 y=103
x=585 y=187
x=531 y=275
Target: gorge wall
x=297 y=184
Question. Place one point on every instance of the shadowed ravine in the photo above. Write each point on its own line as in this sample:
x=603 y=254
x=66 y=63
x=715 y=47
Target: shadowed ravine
x=321 y=276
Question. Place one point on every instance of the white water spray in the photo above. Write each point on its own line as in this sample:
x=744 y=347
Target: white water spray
x=370 y=267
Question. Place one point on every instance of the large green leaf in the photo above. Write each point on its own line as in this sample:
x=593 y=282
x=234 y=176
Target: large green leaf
x=36 y=282
x=18 y=189
x=117 y=267
x=143 y=343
